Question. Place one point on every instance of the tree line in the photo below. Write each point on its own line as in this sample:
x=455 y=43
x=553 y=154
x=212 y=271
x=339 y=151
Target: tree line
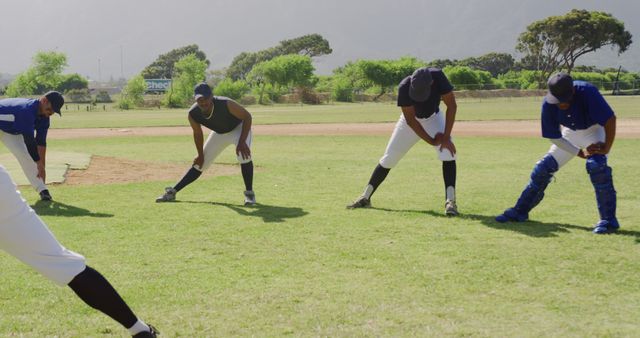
x=549 y=45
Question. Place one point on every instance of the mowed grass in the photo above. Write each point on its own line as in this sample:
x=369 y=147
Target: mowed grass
x=522 y=108
x=300 y=264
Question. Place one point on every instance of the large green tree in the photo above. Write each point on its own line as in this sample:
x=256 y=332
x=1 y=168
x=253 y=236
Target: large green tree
x=188 y=72
x=282 y=71
x=386 y=74
x=494 y=63
x=310 y=45
x=44 y=74
x=555 y=43
x=163 y=66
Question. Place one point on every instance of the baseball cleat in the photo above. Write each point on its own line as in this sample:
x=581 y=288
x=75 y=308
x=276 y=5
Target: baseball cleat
x=511 y=215
x=604 y=227
x=153 y=333
x=249 y=197
x=361 y=202
x=450 y=208
x=45 y=195
x=168 y=196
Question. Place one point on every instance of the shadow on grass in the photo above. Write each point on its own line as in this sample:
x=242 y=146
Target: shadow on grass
x=529 y=228
x=53 y=208
x=268 y=213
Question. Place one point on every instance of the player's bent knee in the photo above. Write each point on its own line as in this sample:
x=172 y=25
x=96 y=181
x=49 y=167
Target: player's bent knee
x=388 y=162
x=598 y=169
x=544 y=169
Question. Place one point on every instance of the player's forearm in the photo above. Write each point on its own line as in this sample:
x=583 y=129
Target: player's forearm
x=198 y=140
x=246 y=128
x=42 y=152
x=610 y=133
x=449 y=121
x=417 y=128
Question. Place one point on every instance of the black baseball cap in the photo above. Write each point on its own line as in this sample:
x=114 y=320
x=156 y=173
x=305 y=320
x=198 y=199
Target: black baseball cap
x=202 y=90
x=56 y=99
x=420 y=87
x=560 y=88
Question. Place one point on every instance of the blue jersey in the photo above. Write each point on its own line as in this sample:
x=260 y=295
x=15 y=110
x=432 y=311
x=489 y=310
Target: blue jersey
x=20 y=117
x=587 y=108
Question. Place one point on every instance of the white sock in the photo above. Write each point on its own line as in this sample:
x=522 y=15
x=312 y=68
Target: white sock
x=138 y=327
x=368 y=191
x=451 y=193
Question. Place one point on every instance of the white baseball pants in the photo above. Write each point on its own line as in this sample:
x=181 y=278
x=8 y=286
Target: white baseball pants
x=15 y=144
x=25 y=236
x=403 y=138
x=216 y=143
x=579 y=138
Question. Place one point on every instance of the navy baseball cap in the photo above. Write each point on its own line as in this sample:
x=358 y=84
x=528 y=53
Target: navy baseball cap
x=56 y=99
x=202 y=90
x=560 y=88
x=420 y=87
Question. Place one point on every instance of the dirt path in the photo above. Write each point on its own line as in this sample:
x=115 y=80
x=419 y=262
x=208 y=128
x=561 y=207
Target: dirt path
x=627 y=128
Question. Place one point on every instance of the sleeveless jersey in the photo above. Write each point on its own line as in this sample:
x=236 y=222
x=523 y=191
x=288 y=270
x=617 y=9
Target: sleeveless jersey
x=221 y=121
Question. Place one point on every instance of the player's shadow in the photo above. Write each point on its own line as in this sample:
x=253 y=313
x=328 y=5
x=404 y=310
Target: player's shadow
x=55 y=208
x=268 y=213
x=529 y=228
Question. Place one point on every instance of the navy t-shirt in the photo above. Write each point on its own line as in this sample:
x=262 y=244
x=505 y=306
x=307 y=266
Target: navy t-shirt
x=587 y=108
x=439 y=87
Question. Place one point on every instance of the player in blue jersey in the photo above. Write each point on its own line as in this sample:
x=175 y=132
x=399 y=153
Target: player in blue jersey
x=579 y=122
x=20 y=119
x=230 y=124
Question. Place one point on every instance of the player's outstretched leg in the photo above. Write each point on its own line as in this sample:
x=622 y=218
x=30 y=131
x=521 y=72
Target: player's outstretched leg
x=602 y=180
x=364 y=200
x=247 y=176
x=98 y=293
x=170 y=192
x=534 y=191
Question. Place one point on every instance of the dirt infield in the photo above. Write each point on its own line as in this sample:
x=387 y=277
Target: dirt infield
x=627 y=128
x=109 y=170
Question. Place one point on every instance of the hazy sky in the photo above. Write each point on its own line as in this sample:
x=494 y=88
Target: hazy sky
x=110 y=38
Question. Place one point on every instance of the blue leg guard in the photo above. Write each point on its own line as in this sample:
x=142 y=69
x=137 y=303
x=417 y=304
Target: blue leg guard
x=534 y=191
x=602 y=180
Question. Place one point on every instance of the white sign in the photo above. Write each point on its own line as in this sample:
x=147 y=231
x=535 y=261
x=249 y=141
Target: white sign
x=158 y=85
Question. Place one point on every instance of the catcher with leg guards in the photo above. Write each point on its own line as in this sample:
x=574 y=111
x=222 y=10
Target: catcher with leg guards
x=19 y=119
x=24 y=236
x=419 y=98
x=230 y=124
x=579 y=122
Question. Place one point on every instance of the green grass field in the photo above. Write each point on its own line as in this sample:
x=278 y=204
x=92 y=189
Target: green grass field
x=521 y=108
x=300 y=264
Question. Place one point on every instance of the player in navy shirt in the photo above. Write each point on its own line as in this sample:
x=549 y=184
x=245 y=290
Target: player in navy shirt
x=419 y=97
x=579 y=122
x=23 y=130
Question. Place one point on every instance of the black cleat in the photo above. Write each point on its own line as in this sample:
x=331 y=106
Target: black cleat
x=153 y=333
x=45 y=195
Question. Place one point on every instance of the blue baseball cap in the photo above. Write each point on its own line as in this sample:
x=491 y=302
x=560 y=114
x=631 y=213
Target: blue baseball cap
x=202 y=90
x=56 y=100
x=560 y=88
x=420 y=87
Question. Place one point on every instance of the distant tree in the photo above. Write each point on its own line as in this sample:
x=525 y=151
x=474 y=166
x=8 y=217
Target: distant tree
x=188 y=72
x=132 y=94
x=72 y=81
x=162 y=67
x=232 y=89
x=555 y=43
x=78 y=95
x=311 y=45
x=441 y=63
x=386 y=74
x=282 y=71
x=463 y=77
x=44 y=74
x=494 y=63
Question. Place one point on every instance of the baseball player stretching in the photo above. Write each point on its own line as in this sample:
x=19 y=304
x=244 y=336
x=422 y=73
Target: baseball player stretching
x=419 y=98
x=19 y=120
x=230 y=124
x=24 y=236
x=579 y=122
